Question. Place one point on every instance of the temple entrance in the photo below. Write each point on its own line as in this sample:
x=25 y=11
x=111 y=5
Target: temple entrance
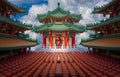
x=59 y=40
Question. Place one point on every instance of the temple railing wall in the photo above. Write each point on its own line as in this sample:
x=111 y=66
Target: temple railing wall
x=63 y=49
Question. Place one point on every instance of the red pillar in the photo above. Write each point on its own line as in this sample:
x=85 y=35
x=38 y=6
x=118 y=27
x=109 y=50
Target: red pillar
x=66 y=39
x=73 y=41
x=44 y=41
x=51 y=39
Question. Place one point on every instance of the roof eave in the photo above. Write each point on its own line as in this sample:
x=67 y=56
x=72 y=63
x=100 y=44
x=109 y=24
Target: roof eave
x=102 y=47
x=18 y=9
x=113 y=20
x=10 y=21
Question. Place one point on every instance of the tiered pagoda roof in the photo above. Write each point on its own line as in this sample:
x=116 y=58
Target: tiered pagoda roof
x=109 y=34
x=10 y=8
x=109 y=8
x=57 y=21
x=59 y=12
x=59 y=27
x=11 y=34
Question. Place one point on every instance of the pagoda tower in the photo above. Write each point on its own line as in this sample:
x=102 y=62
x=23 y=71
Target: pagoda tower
x=59 y=29
x=13 y=41
x=106 y=39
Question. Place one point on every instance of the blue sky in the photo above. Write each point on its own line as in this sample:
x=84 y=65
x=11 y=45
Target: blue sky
x=27 y=5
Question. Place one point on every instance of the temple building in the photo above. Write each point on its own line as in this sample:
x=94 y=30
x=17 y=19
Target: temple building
x=59 y=29
x=106 y=39
x=12 y=38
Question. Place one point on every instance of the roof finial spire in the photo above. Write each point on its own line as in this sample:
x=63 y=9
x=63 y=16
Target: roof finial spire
x=58 y=4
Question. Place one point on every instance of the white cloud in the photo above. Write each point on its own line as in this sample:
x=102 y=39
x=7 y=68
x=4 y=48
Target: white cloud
x=78 y=39
x=32 y=35
x=87 y=16
x=100 y=3
x=32 y=14
x=36 y=48
x=83 y=7
x=84 y=35
x=40 y=38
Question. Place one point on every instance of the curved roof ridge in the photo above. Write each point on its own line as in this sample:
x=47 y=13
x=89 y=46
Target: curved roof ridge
x=59 y=27
x=59 y=12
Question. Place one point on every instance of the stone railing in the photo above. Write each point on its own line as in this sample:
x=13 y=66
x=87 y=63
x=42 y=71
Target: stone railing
x=63 y=49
